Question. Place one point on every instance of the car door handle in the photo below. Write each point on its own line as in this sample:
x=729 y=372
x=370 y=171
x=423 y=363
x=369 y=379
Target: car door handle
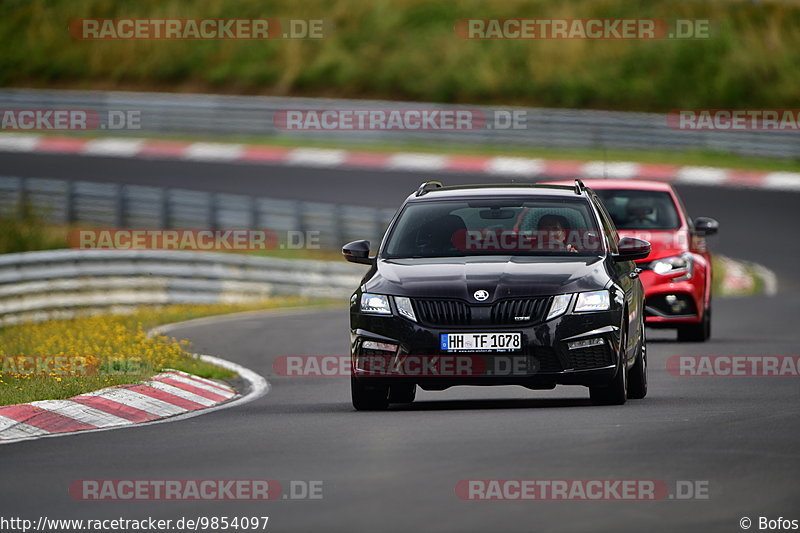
x=635 y=273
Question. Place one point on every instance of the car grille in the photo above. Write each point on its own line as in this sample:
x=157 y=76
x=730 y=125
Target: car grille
x=502 y=313
x=591 y=357
x=511 y=311
x=443 y=312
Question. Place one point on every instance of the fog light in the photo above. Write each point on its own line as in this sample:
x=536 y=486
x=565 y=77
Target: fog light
x=588 y=343
x=382 y=346
x=678 y=306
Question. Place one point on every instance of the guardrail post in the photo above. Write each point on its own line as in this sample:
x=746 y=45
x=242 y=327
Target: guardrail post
x=253 y=213
x=165 y=208
x=213 y=206
x=338 y=226
x=300 y=221
x=69 y=207
x=22 y=198
x=120 y=207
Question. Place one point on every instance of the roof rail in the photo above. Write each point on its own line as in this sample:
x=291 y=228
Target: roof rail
x=579 y=186
x=428 y=186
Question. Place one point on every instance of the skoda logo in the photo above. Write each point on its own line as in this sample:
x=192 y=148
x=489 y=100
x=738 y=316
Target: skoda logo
x=481 y=295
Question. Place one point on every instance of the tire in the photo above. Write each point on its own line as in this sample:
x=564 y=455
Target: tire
x=616 y=392
x=404 y=393
x=637 y=375
x=613 y=394
x=374 y=398
x=700 y=332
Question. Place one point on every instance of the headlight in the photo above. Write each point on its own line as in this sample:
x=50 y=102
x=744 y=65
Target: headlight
x=593 y=301
x=404 y=307
x=377 y=304
x=559 y=305
x=674 y=265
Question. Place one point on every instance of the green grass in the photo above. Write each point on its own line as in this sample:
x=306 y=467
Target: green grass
x=24 y=230
x=408 y=50
x=156 y=316
x=751 y=271
x=16 y=390
x=118 y=346
x=718 y=268
x=316 y=255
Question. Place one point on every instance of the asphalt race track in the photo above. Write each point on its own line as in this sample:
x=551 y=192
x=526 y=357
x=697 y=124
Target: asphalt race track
x=397 y=471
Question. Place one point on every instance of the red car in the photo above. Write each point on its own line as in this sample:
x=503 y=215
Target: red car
x=677 y=273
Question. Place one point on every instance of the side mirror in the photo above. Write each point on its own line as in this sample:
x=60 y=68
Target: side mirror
x=631 y=249
x=705 y=226
x=357 y=252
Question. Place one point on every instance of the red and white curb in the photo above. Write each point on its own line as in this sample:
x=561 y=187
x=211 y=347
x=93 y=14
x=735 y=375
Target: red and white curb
x=740 y=278
x=519 y=167
x=169 y=396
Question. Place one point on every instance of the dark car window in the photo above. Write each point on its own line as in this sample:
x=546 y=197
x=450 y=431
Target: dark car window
x=631 y=209
x=493 y=226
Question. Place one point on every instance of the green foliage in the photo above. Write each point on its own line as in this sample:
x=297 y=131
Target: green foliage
x=408 y=49
x=23 y=230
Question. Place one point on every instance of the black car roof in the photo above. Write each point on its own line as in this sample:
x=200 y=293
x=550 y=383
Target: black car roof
x=494 y=189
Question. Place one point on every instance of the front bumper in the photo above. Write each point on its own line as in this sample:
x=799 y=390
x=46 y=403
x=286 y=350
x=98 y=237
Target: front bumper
x=669 y=303
x=544 y=360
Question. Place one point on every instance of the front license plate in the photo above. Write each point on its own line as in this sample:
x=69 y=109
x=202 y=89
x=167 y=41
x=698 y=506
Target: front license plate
x=482 y=342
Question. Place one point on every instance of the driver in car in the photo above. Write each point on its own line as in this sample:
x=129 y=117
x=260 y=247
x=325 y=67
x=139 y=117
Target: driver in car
x=553 y=231
x=639 y=214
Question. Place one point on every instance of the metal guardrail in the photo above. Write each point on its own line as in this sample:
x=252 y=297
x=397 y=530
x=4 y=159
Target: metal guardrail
x=110 y=205
x=60 y=283
x=222 y=115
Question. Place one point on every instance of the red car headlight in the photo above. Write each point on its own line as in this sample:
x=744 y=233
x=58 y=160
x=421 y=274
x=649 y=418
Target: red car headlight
x=681 y=265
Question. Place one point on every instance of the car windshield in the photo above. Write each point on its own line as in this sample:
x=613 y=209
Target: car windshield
x=631 y=209
x=495 y=226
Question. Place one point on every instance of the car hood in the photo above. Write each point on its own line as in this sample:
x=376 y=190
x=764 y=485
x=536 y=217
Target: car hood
x=501 y=276
x=663 y=243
